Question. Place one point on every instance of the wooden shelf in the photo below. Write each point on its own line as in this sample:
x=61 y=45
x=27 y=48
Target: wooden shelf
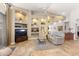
x=34 y=32
x=21 y=22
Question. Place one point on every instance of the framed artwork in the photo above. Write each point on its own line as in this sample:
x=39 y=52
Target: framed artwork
x=60 y=28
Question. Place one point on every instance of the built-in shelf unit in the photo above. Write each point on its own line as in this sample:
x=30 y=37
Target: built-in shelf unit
x=34 y=30
x=21 y=25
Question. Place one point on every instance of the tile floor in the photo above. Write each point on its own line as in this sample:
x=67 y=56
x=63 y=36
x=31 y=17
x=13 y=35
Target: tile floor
x=34 y=48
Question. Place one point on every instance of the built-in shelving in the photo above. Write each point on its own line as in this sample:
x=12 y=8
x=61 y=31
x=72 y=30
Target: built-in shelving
x=34 y=30
x=20 y=26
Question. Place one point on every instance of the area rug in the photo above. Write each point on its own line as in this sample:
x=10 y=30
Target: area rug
x=45 y=45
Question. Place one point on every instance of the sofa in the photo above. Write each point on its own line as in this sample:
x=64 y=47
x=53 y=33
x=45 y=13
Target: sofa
x=56 y=37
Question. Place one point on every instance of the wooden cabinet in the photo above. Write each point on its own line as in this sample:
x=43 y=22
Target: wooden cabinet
x=21 y=32
x=69 y=36
x=21 y=39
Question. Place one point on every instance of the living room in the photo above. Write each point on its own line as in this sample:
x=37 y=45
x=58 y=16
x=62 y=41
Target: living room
x=39 y=29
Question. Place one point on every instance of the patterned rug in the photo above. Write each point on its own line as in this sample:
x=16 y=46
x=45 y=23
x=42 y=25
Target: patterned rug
x=45 y=45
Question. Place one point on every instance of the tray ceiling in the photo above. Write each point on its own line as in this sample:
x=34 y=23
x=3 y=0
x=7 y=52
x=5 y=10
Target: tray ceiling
x=59 y=8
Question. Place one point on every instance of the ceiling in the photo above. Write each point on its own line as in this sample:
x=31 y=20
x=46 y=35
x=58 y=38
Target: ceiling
x=58 y=8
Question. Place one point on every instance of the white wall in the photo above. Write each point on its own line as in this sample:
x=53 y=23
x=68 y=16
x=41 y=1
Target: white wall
x=2 y=8
x=73 y=17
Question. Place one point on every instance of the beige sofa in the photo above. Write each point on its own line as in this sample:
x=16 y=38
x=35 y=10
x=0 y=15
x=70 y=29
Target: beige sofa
x=56 y=37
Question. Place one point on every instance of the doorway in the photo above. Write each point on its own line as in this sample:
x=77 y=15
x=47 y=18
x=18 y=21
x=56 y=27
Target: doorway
x=77 y=29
